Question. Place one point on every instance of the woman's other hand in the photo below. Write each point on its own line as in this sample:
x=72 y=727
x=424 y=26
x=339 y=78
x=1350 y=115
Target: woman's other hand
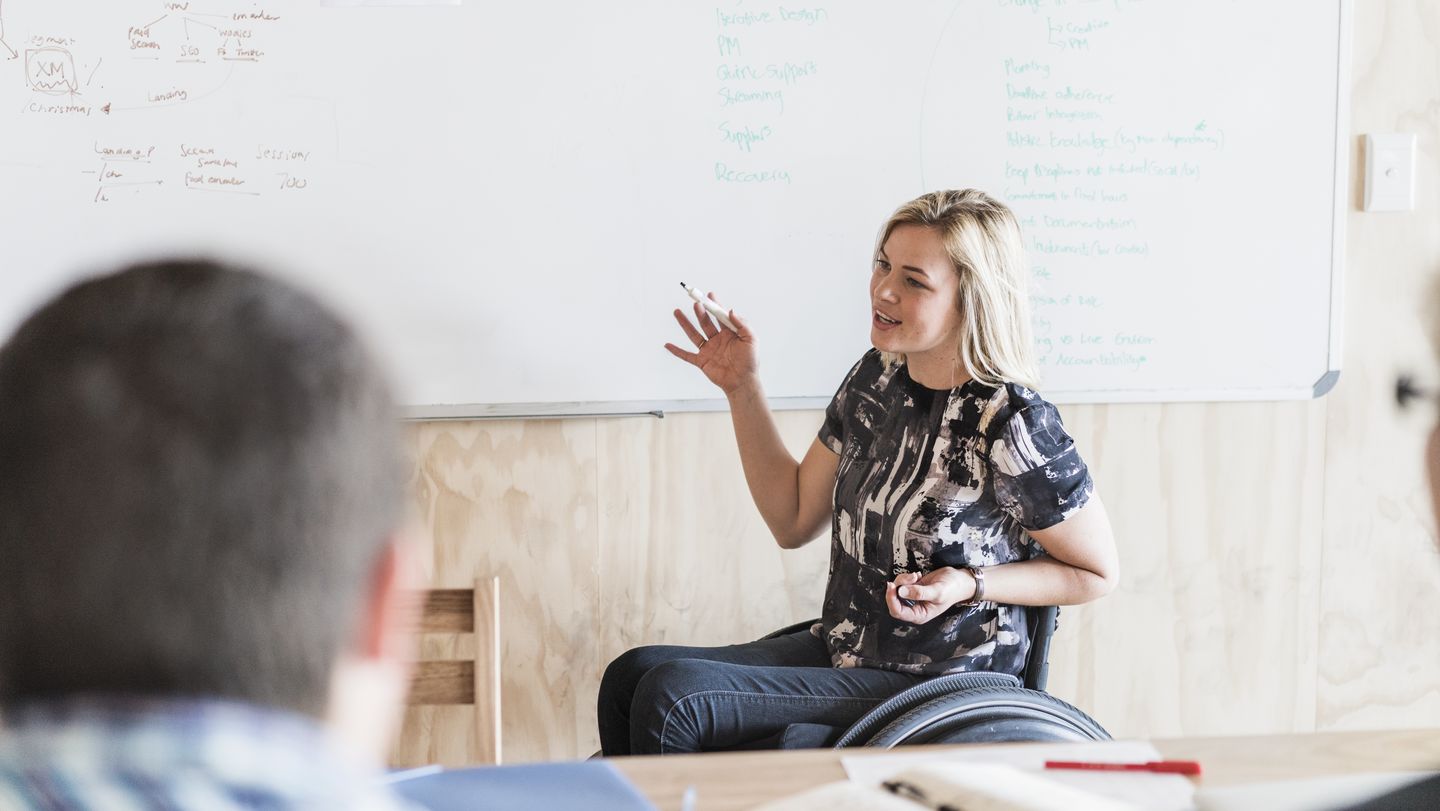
x=917 y=598
x=727 y=358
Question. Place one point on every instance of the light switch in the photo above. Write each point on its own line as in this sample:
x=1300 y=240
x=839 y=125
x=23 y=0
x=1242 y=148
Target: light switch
x=1390 y=172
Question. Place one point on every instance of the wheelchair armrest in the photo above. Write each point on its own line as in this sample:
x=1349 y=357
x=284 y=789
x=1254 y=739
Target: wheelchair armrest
x=790 y=629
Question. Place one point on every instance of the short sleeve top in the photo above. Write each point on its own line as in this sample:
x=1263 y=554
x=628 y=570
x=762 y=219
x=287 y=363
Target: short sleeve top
x=930 y=478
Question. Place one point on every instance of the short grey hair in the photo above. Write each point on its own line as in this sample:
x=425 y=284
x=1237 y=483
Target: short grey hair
x=199 y=467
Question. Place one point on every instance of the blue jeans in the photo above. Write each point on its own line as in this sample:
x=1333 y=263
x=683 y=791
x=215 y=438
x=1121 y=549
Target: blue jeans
x=663 y=699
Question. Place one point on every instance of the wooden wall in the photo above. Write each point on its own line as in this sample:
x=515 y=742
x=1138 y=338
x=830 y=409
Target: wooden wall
x=1378 y=620
x=1279 y=572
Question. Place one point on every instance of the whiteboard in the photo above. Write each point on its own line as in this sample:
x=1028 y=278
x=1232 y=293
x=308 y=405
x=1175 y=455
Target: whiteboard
x=507 y=195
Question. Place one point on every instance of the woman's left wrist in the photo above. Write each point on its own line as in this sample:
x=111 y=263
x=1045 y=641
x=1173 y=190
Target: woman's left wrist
x=977 y=579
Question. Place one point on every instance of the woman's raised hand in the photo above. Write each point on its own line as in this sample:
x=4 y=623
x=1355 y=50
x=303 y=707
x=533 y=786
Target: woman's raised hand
x=727 y=358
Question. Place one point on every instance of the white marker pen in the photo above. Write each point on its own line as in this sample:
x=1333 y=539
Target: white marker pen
x=710 y=307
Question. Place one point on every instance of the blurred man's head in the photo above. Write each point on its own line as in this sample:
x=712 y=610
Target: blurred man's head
x=201 y=485
x=1431 y=320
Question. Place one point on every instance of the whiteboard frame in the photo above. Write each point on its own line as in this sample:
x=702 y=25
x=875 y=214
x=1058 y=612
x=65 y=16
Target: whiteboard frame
x=627 y=408
x=1342 y=205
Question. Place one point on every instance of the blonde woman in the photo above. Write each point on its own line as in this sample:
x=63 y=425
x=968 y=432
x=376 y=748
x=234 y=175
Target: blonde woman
x=953 y=496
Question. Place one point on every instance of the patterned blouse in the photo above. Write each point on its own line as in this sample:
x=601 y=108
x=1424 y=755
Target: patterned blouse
x=931 y=478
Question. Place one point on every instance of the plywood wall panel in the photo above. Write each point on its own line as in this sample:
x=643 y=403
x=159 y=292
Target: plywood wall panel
x=517 y=499
x=1212 y=629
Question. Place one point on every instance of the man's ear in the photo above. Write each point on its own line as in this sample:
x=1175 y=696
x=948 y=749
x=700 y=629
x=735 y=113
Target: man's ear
x=391 y=614
x=367 y=691
x=1432 y=470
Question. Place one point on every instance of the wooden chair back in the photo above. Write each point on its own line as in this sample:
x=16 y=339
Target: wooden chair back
x=473 y=682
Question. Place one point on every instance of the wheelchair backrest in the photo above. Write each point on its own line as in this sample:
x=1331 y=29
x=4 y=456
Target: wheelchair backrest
x=1043 y=621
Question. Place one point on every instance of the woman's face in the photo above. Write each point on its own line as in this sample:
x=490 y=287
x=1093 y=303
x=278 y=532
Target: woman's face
x=913 y=290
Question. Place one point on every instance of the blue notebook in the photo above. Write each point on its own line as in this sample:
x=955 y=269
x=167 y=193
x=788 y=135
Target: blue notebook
x=588 y=785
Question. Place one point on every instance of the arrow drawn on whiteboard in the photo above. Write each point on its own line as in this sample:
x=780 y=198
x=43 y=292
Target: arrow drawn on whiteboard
x=6 y=45
x=188 y=21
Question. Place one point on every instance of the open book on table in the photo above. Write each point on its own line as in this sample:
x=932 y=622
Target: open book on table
x=1148 y=790
x=951 y=787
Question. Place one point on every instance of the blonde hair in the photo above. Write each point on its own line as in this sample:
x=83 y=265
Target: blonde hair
x=982 y=238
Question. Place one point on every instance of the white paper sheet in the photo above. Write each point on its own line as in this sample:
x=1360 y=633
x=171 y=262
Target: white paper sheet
x=1162 y=792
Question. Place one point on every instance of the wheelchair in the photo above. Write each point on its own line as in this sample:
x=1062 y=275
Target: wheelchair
x=961 y=707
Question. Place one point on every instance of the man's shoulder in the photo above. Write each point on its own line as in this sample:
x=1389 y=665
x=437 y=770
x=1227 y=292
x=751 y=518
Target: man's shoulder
x=186 y=755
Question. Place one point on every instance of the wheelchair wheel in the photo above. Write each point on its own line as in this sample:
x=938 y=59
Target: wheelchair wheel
x=990 y=715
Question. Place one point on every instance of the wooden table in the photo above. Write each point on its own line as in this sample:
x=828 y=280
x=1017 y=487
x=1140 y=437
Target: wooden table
x=741 y=780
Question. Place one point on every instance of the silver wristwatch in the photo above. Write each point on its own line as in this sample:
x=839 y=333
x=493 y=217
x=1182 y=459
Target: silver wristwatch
x=979 y=575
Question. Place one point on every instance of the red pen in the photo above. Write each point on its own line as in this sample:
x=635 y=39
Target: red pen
x=1186 y=767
